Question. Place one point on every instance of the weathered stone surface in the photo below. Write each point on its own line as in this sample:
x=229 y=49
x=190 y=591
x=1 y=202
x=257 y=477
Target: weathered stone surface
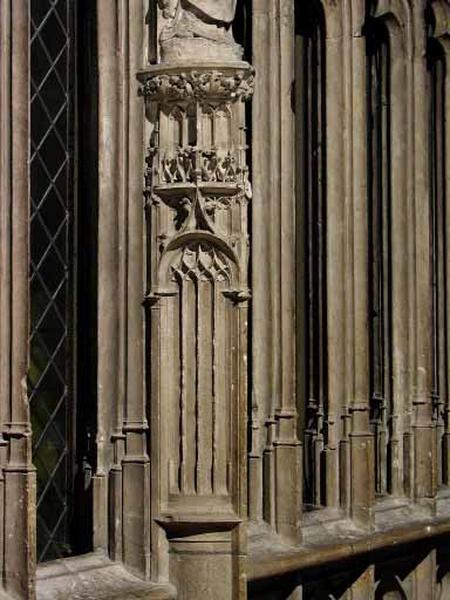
x=200 y=288
x=201 y=28
x=94 y=577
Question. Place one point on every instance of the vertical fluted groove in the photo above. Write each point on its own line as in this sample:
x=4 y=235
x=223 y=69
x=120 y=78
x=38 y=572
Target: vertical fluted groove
x=5 y=243
x=361 y=453
x=424 y=482
x=276 y=493
x=337 y=443
x=446 y=225
x=108 y=259
x=135 y=459
x=261 y=309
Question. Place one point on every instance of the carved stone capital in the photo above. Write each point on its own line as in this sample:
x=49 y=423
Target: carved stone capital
x=215 y=82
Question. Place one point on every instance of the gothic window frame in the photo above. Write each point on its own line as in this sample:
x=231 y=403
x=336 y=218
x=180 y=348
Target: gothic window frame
x=311 y=150
x=394 y=461
x=438 y=52
x=380 y=245
x=62 y=388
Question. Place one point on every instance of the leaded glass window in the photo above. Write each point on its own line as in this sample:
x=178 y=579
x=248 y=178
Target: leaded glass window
x=56 y=393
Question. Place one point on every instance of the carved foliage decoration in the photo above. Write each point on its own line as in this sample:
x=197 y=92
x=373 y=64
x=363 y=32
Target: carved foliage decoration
x=197 y=84
x=183 y=166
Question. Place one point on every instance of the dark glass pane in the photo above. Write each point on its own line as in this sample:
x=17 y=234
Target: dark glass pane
x=311 y=197
x=51 y=270
x=380 y=301
x=438 y=239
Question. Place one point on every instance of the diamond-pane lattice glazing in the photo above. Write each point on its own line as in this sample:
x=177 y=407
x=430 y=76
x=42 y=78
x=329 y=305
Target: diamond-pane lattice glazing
x=50 y=375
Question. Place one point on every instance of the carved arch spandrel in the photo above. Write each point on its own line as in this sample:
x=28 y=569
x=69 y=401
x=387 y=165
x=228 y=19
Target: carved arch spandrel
x=195 y=239
x=196 y=217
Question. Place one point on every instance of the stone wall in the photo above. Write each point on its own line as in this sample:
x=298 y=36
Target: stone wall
x=273 y=399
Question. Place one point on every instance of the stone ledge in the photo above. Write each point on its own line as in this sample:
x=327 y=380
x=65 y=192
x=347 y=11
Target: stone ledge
x=269 y=557
x=95 y=577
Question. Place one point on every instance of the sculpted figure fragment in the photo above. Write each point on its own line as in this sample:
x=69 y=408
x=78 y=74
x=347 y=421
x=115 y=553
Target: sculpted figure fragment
x=198 y=30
